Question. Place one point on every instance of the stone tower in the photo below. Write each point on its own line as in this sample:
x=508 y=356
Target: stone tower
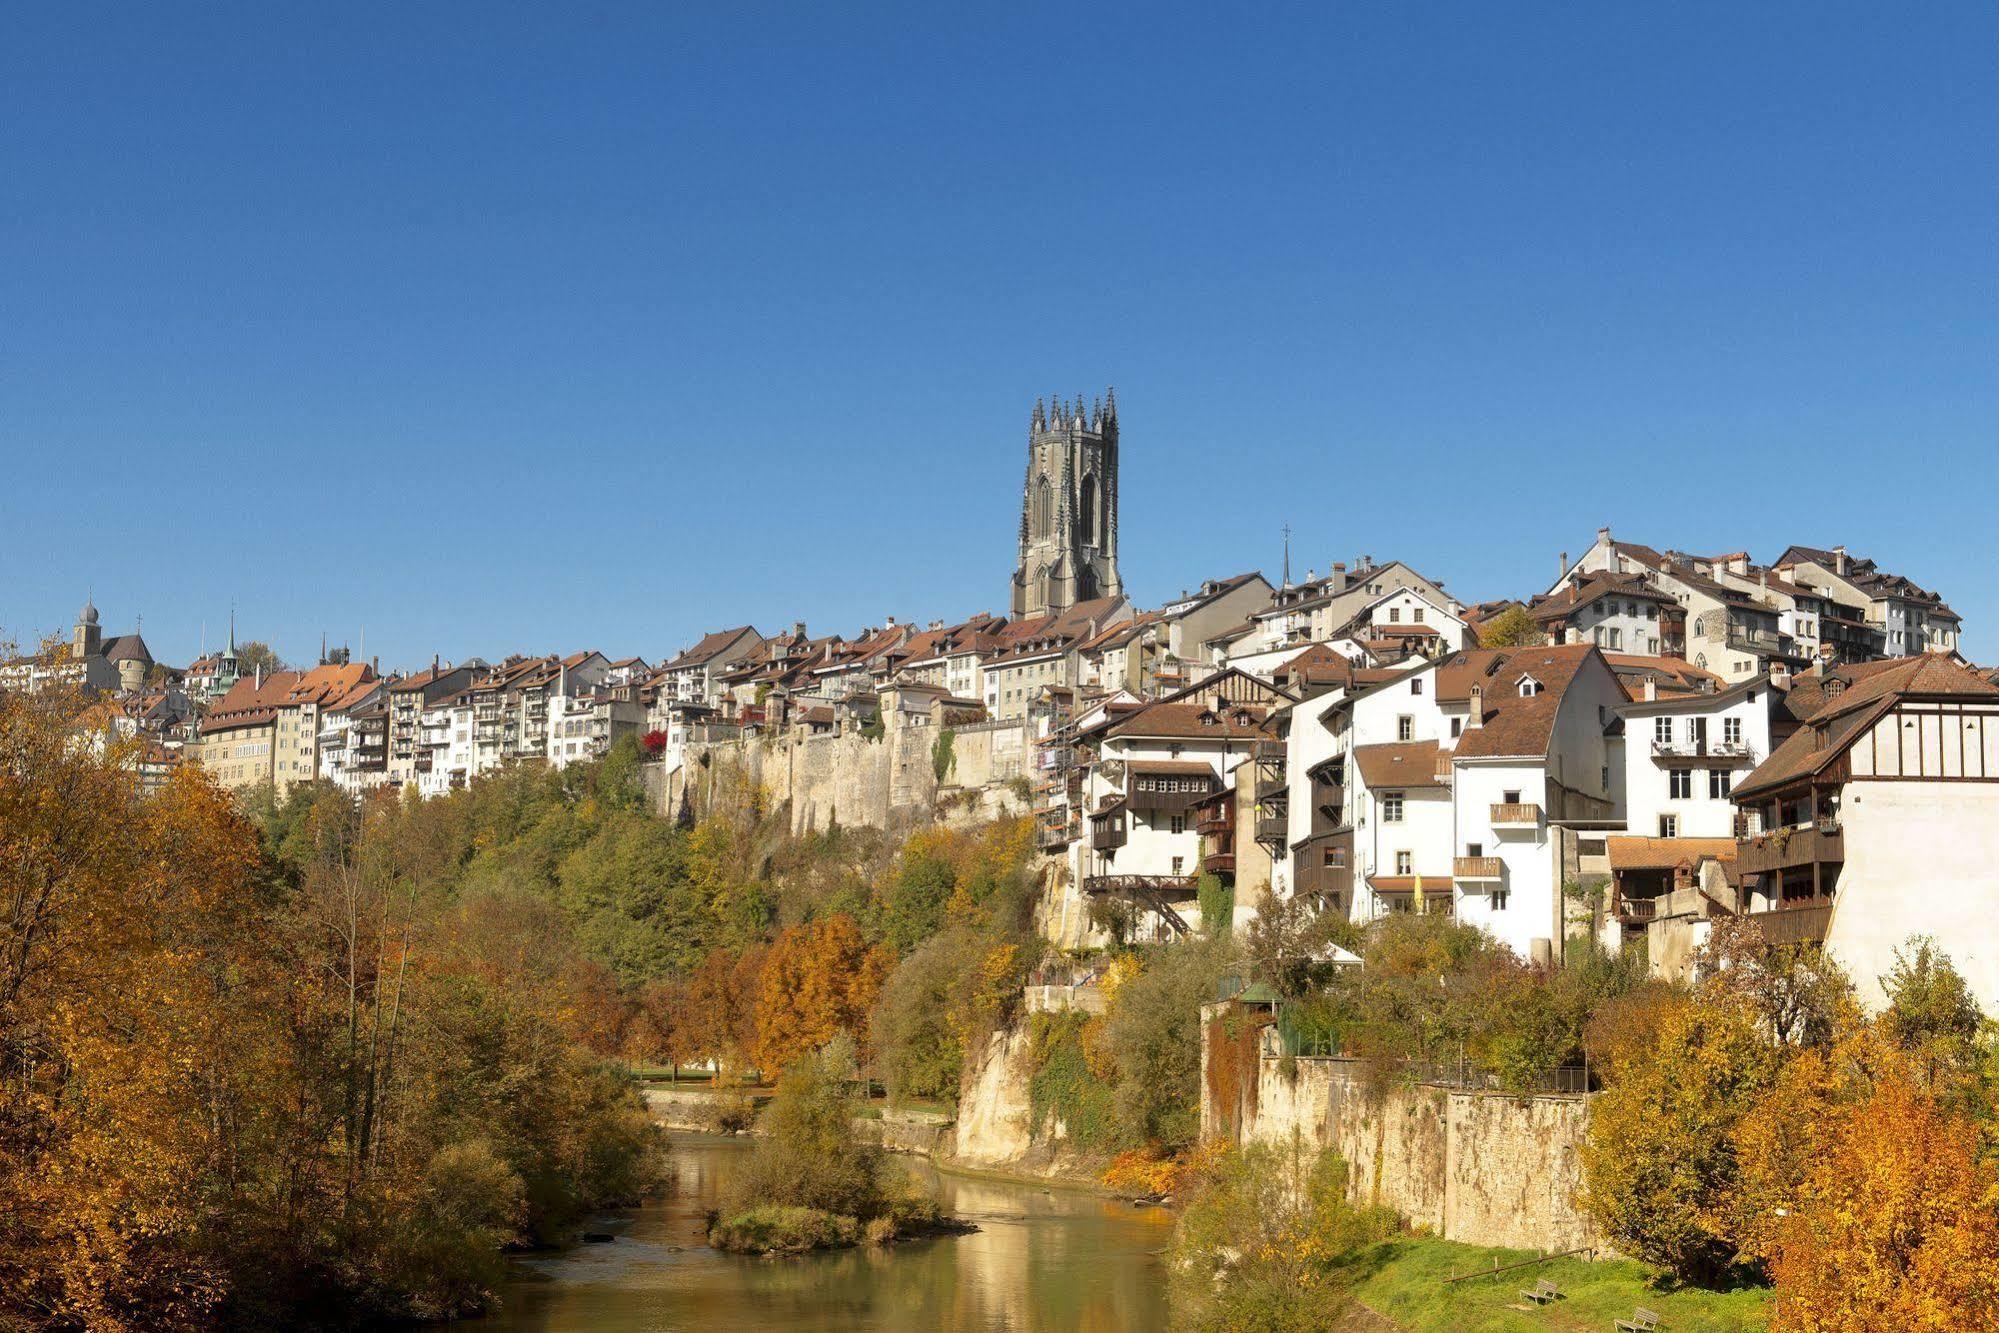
x=1068 y=508
x=87 y=639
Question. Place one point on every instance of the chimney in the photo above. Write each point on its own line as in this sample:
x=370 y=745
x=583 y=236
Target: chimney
x=1651 y=688
x=1476 y=719
x=890 y=623
x=1839 y=561
x=257 y=677
x=1339 y=576
x=1603 y=535
x=1562 y=565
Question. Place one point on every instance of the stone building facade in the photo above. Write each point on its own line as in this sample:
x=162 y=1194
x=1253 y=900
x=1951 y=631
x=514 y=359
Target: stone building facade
x=1069 y=508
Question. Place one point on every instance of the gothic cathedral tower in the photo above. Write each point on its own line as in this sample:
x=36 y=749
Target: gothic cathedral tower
x=1068 y=508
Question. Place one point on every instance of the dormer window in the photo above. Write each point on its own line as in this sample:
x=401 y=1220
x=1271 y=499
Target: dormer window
x=1529 y=687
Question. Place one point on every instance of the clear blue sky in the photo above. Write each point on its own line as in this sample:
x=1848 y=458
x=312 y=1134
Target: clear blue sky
x=490 y=327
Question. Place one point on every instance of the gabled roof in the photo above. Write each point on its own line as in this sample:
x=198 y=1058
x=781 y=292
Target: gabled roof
x=1193 y=721
x=1847 y=714
x=711 y=646
x=1516 y=725
x=1581 y=595
x=1635 y=853
x=1398 y=764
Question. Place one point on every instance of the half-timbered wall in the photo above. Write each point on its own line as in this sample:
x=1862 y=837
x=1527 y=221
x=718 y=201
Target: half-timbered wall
x=1948 y=741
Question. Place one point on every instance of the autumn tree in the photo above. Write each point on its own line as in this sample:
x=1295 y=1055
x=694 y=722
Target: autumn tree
x=1896 y=1224
x=819 y=979
x=124 y=983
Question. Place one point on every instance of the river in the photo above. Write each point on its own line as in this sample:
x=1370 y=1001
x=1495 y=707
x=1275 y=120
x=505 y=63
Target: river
x=1045 y=1260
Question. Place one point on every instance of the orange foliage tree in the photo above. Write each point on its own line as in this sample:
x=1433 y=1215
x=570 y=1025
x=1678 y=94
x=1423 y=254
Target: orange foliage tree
x=819 y=979
x=1896 y=1224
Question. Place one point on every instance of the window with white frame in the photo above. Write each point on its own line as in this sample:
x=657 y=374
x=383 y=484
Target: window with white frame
x=1405 y=863
x=1662 y=730
x=1679 y=783
x=1391 y=807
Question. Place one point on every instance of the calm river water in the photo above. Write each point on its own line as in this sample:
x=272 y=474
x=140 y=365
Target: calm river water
x=1052 y=1260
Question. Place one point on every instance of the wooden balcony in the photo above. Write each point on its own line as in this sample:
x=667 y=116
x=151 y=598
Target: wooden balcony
x=1273 y=826
x=1478 y=869
x=1218 y=863
x=1273 y=791
x=1804 y=924
x=1785 y=848
x=1108 y=834
x=1637 y=911
x=1522 y=814
x=1216 y=819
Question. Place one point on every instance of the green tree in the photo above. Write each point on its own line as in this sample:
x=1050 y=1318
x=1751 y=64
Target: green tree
x=1271 y=1242
x=1931 y=1014
x=1152 y=1035
x=1511 y=628
x=1660 y=1160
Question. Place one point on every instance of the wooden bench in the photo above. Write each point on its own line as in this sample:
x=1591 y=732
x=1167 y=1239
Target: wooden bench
x=1542 y=1292
x=1641 y=1321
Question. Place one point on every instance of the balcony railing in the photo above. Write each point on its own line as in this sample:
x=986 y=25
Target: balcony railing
x=1480 y=869
x=1216 y=819
x=1517 y=814
x=1637 y=911
x=1804 y=924
x=1139 y=884
x=1784 y=848
x=1219 y=863
x=1273 y=827
x=1702 y=749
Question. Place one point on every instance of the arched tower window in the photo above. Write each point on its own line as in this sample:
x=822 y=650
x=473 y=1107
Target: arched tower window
x=1089 y=535
x=1044 y=506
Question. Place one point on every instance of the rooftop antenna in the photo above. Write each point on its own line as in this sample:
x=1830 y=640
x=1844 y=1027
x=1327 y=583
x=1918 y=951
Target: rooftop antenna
x=1287 y=552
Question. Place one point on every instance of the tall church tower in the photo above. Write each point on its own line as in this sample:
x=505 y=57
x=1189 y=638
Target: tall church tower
x=1068 y=508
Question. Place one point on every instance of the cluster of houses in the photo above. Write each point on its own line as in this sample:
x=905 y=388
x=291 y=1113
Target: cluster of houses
x=1656 y=741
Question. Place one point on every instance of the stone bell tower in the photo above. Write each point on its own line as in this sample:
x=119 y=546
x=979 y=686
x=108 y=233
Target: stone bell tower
x=1068 y=508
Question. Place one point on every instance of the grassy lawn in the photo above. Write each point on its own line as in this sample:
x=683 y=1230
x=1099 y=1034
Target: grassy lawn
x=1408 y=1287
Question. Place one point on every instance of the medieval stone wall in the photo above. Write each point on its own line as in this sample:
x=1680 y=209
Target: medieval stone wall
x=1482 y=1168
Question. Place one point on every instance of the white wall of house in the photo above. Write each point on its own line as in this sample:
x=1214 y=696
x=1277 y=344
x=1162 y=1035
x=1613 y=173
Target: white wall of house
x=1657 y=745
x=1919 y=861
x=1525 y=912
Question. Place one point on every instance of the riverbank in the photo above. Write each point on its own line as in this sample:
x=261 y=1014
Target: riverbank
x=931 y=1135
x=1044 y=1256
x=1407 y=1284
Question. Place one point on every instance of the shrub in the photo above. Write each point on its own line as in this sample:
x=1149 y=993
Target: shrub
x=1270 y=1241
x=783 y=1229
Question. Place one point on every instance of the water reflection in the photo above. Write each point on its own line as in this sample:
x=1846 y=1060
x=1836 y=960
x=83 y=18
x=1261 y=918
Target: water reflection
x=1053 y=1260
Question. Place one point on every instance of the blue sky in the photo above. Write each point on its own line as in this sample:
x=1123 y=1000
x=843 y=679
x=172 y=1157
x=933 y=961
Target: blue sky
x=490 y=328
